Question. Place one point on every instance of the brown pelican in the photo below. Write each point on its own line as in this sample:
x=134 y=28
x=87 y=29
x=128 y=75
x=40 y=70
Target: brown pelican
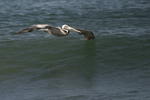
x=58 y=31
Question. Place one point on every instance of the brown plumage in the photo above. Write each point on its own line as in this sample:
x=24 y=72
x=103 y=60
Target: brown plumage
x=58 y=31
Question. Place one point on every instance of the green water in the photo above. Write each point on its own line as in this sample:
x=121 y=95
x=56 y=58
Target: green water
x=38 y=66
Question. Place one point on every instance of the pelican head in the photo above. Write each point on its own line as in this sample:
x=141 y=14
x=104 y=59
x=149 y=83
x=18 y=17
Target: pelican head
x=66 y=27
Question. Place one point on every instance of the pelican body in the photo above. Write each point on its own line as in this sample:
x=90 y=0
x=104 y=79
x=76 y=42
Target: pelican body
x=58 y=31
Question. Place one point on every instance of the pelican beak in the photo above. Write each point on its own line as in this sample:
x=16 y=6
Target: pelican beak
x=72 y=29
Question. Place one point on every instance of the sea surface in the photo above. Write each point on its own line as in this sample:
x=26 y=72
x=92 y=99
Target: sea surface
x=39 y=66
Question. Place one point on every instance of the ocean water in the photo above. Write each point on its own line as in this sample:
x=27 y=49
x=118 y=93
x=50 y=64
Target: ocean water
x=39 y=66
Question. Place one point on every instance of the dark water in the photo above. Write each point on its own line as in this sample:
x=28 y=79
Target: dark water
x=38 y=66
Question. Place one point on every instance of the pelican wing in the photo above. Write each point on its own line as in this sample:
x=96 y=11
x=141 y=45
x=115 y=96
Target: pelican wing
x=88 y=34
x=33 y=28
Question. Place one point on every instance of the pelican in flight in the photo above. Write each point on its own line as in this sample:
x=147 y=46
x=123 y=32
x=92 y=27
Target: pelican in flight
x=58 y=31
